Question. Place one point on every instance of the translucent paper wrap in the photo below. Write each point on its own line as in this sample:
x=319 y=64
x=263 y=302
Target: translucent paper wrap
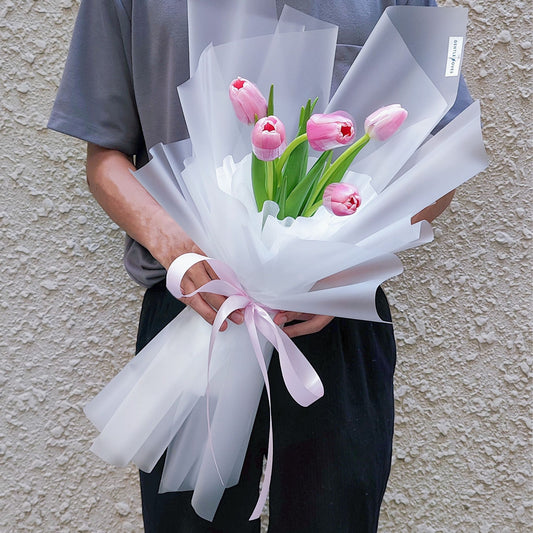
x=324 y=264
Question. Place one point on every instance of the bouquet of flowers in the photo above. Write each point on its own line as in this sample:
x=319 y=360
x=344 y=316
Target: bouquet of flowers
x=259 y=217
x=279 y=171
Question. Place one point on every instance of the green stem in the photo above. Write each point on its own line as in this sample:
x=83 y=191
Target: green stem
x=285 y=155
x=270 y=179
x=343 y=159
x=310 y=211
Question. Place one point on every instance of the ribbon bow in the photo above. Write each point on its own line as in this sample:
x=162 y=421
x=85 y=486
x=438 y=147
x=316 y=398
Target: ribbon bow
x=300 y=378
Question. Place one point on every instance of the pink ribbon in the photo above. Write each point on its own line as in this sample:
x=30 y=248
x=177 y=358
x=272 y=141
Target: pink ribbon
x=299 y=376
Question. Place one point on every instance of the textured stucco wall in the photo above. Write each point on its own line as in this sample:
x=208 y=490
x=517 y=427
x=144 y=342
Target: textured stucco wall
x=462 y=458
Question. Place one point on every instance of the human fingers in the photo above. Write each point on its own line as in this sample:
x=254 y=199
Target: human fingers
x=237 y=316
x=196 y=277
x=313 y=325
x=198 y=301
x=288 y=316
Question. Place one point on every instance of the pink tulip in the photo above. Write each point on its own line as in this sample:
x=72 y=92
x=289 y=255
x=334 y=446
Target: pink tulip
x=341 y=199
x=247 y=100
x=325 y=132
x=268 y=138
x=381 y=124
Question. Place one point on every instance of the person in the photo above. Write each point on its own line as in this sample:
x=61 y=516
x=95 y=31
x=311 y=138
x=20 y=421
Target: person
x=332 y=459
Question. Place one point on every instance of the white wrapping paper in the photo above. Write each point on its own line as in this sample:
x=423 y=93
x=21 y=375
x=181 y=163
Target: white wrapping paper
x=324 y=264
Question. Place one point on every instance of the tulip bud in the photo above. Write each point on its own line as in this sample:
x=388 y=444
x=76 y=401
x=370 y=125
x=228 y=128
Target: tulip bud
x=341 y=199
x=247 y=100
x=268 y=138
x=381 y=124
x=328 y=131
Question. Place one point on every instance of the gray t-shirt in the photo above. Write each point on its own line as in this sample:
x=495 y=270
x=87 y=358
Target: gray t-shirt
x=126 y=59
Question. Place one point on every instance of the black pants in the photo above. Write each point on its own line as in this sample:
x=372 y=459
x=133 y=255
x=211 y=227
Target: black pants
x=331 y=459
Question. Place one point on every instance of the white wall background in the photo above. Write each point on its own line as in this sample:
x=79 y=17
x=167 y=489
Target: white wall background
x=462 y=459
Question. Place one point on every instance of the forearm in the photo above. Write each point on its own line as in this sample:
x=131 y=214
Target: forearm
x=136 y=212
x=130 y=206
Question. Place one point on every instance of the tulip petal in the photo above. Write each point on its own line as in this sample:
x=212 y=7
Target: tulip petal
x=341 y=199
x=385 y=121
x=247 y=100
x=268 y=138
x=329 y=131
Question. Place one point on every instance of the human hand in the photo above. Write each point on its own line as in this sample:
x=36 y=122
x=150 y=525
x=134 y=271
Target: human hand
x=431 y=212
x=308 y=323
x=206 y=304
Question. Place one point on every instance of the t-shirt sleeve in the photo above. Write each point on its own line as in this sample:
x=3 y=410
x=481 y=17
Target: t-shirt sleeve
x=95 y=101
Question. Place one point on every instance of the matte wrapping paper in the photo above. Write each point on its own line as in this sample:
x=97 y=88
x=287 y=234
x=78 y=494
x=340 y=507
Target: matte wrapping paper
x=199 y=403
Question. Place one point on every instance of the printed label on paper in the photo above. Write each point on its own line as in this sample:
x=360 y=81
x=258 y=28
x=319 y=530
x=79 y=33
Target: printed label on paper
x=455 y=52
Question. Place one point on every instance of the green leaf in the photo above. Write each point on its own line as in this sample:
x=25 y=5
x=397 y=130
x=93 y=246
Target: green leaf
x=312 y=107
x=270 y=106
x=293 y=164
x=335 y=172
x=307 y=112
x=305 y=115
x=259 y=176
x=310 y=211
x=281 y=200
x=296 y=167
x=339 y=170
x=301 y=121
x=298 y=197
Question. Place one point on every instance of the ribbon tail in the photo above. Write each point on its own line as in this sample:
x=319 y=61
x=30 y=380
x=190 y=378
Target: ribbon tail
x=249 y=318
x=301 y=379
x=232 y=303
